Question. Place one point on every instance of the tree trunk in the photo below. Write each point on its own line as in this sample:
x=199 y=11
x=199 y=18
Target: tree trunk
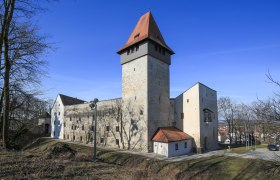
x=6 y=89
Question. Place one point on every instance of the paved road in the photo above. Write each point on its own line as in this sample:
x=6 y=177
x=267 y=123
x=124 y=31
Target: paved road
x=261 y=153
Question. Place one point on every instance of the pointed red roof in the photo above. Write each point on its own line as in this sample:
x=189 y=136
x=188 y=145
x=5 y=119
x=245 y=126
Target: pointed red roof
x=146 y=28
x=170 y=134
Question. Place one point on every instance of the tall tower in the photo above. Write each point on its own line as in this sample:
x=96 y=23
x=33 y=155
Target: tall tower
x=145 y=60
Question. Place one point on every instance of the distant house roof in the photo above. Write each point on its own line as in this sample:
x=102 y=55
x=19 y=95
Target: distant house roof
x=45 y=115
x=170 y=134
x=67 y=100
x=146 y=28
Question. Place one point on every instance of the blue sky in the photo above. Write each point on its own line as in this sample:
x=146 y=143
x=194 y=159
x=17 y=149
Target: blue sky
x=227 y=45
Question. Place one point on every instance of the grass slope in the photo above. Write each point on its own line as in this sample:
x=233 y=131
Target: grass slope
x=51 y=159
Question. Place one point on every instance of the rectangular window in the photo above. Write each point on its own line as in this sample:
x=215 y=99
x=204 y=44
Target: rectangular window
x=107 y=128
x=70 y=118
x=67 y=136
x=101 y=140
x=117 y=128
x=83 y=127
x=141 y=112
x=92 y=128
x=117 y=142
x=73 y=138
x=176 y=146
x=186 y=145
x=137 y=47
x=81 y=138
x=128 y=52
x=182 y=115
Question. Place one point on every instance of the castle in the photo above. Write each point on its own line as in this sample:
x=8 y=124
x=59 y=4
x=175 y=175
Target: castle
x=145 y=118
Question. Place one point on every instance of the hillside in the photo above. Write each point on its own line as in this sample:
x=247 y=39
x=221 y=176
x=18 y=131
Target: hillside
x=47 y=158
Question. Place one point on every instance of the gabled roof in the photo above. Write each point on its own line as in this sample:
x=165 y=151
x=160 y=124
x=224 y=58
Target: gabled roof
x=170 y=134
x=67 y=100
x=146 y=28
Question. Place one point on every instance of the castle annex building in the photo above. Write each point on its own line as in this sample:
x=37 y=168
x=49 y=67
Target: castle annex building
x=145 y=118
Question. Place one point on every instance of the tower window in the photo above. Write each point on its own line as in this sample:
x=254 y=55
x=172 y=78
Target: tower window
x=136 y=36
x=182 y=115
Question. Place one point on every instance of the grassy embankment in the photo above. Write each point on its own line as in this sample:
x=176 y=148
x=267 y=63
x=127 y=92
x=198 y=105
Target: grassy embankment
x=51 y=159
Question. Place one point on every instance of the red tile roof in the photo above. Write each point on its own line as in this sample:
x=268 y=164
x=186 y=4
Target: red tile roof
x=170 y=134
x=146 y=28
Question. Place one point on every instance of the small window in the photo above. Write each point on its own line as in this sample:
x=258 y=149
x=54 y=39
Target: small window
x=64 y=124
x=83 y=127
x=176 y=146
x=70 y=118
x=136 y=36
x=141 y=112
x=136 y=47
x=73 y=138
x=101 y=140
x=134 y=69
x=107 y=128
x=117 y=142
x=80 y=119
x=81 y=138
x=63 y=136
x=135 y=97
x=128 y=52
x=182 y=115
x=117 y=128
x=186 y=145
x=92 y=128
x=132 y=50
x=67 y=136
x=188 y=100
x=88 y=116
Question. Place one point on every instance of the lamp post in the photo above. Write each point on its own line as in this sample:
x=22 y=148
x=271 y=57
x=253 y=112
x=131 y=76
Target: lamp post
x=93 y=105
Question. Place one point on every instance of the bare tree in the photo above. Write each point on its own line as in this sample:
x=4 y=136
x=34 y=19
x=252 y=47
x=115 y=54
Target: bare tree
x=227 y=110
